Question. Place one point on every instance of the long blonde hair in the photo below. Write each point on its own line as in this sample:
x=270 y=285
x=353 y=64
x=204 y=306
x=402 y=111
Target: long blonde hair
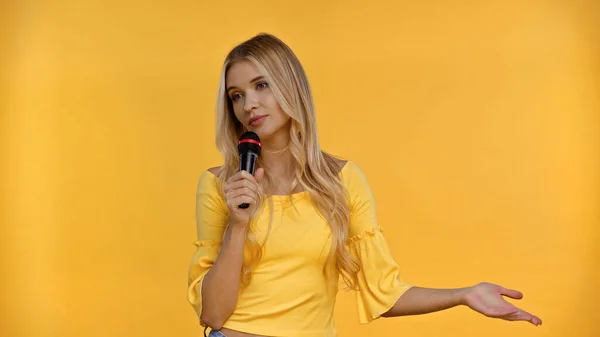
x=315 y=170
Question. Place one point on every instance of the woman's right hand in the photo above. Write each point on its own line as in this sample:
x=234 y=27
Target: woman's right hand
x=242 y=188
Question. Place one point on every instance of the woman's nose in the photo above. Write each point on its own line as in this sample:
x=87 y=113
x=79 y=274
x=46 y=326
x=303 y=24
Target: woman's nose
x=251 y=102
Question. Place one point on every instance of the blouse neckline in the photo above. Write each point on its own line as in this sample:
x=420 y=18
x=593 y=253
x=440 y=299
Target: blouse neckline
x=294 y=196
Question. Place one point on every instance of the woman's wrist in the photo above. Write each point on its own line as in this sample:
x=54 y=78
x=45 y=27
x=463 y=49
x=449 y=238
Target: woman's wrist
x=237 y=229
x=463 y=295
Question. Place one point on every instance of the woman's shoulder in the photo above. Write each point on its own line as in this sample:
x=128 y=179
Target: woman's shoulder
x=215 y=170
x=209 y=190
x=209 y=179
x=335 y=163
x=346 y=167
x=352 y=175
x=341 y=163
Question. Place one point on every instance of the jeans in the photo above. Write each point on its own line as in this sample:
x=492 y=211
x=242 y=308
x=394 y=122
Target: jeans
x=214 y=333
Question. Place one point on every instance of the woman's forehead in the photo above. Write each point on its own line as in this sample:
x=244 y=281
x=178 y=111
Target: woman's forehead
x=242 y=72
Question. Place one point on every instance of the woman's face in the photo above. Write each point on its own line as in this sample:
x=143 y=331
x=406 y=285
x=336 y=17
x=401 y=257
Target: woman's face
x=253 y=101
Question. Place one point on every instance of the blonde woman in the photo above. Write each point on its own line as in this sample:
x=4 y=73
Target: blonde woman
x=274 y=268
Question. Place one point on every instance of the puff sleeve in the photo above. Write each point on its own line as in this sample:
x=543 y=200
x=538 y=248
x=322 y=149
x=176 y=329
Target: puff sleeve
x=379 y=281
x=211 y=220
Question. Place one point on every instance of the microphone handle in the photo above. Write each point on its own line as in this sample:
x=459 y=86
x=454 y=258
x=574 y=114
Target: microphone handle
x=247 y=163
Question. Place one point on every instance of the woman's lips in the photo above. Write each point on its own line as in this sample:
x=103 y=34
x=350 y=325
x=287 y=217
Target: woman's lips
x=254 y=121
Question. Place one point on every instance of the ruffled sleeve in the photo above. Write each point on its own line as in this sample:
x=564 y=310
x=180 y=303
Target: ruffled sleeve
x=211 y=219
x=379 y=281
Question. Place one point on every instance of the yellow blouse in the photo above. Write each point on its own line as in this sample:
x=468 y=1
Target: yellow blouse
x=288 y=294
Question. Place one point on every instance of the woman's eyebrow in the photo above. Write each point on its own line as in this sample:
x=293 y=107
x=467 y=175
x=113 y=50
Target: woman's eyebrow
x=258 y=78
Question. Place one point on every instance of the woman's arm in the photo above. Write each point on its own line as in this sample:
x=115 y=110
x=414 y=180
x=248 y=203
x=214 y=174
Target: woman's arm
x=485 y=298
x=416 y=301
x=221 y=284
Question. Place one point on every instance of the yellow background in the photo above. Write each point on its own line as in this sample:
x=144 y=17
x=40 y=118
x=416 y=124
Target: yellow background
x=477 y=123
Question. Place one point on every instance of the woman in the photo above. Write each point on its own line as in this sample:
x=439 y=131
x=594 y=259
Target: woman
x=273 y=269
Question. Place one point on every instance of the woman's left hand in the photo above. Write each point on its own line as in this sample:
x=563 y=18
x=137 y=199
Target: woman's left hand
x=487 y=299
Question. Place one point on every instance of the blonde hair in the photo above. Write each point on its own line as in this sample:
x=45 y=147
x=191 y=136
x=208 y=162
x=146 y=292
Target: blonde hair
x=315 y=170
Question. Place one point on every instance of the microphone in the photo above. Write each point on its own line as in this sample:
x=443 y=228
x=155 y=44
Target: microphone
x=249 y=148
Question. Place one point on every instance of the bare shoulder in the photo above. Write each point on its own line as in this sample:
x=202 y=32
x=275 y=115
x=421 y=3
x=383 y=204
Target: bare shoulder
x=340 y=163
x=215 y=170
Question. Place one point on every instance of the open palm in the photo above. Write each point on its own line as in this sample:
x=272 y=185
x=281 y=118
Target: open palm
x=487 y=299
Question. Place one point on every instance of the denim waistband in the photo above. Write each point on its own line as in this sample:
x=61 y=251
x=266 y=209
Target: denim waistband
x=214 y=333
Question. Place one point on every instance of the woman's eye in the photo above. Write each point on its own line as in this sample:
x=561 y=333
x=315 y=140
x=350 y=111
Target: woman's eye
x=236 y=96
x=262 y=85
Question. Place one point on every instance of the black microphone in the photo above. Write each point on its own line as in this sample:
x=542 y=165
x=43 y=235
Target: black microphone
x=249 y=148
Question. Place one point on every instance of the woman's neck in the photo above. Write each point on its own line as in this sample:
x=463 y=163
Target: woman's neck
x=278 y=164
x=276 y=156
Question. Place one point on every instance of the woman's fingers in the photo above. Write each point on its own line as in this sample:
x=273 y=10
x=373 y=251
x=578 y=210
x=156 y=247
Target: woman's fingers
x=504 y=310
x=243 y=199
x=240 y=184
x=244 y=179
x=241 y=188
x=523 y=315
x=259 y=174
x=243 y=191
x=511 y=293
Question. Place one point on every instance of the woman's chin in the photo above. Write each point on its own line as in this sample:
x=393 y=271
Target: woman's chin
x=265 y=132
x=262 y=133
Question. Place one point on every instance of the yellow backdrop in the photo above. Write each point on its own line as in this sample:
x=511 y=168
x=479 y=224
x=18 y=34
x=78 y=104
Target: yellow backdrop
x=477 y=123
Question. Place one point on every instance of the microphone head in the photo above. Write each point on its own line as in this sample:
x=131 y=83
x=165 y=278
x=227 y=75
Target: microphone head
x=249 y=142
